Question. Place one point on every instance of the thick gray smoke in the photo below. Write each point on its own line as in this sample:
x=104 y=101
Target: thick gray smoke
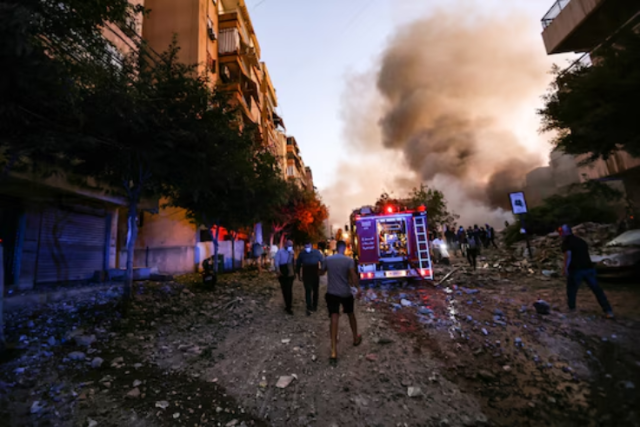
x=455 y=97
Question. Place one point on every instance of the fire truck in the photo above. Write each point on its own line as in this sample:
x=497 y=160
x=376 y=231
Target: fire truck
x=391 y=243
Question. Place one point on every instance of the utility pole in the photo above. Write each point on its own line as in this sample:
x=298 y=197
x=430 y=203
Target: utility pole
x=2 y=343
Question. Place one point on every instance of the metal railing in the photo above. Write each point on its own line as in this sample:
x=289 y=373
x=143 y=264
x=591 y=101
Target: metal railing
x=553 y=13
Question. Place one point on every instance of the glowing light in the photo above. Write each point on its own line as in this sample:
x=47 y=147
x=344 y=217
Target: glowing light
x=389 y=209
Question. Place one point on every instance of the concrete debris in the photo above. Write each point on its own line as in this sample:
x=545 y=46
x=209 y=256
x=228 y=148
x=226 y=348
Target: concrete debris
x=162 y=404
x=284 y=381
x=414 y=392
x=76 y=355
x=133 y=394
x=97 y=362
x=36 y=407
x=542 y=307
x=85 y=340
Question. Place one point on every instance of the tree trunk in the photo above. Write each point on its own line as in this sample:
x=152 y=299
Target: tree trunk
x=233 y=251
x=2 y=343
x=258 y=232
x=215 y=248
x=131 y=244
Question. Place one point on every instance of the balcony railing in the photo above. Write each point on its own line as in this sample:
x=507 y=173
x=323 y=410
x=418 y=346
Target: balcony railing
x=553 y=13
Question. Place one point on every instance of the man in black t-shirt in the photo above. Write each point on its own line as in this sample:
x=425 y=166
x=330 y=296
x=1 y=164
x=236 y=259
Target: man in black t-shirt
x=578 y=268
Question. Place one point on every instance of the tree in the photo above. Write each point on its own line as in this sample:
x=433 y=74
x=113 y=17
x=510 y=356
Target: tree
x=435 y=203
x=432 y=199
x=300 y=214
x=310 y=215
x=141 y=133
x=50 y=51
x=593 y=109
x=236 y=183
x=386 y=199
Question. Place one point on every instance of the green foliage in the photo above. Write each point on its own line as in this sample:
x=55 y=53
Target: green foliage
x=433 y=199
x=592 y=201
x=435 y=203
x=50 y=51
x=593 y=109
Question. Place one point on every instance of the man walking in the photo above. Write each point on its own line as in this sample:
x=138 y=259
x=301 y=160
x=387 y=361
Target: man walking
x=284 y=269
x=472 y=250
x=341 y=274
x=256 y=253
x=491 y=236
x=578 y=268
x=310 y=262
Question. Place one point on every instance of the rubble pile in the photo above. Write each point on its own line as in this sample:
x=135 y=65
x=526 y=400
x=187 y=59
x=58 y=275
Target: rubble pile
x=483 y=347
x=72 y=362
x=546 y=249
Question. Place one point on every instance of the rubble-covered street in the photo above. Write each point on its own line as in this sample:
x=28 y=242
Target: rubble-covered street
x=472 y=351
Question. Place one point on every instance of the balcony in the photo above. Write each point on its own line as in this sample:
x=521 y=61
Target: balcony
x=553 y=13
x=581 y=25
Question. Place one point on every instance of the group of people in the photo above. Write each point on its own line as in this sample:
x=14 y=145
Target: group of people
x=308 y=266
x=342 y=278
x=468 y=242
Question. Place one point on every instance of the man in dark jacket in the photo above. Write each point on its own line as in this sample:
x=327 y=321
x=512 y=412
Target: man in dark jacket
x=578 y=268
x=310 y=263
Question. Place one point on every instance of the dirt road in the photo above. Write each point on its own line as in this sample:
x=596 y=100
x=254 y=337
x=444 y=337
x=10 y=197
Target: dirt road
x=472 y=351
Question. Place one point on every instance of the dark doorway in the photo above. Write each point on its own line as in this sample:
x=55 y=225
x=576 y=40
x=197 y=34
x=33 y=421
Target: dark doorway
x=9 y=220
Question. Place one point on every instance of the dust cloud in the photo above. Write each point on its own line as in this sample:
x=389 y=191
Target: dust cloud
x=450 y=104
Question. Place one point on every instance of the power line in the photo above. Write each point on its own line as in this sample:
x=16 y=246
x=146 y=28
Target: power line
x=259 y=3
x=357 y=16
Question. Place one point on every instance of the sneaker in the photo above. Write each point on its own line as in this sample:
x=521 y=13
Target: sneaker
x=308 y=313
x=609 y=315
x=289 y=311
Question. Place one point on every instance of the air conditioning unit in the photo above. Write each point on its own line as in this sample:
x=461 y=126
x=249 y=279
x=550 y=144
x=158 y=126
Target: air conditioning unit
x=211 y=33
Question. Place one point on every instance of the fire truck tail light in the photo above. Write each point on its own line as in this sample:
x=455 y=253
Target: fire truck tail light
x=425 y=272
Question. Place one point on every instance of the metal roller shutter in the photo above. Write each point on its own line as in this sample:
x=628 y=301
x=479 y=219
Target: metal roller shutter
x=72 y=246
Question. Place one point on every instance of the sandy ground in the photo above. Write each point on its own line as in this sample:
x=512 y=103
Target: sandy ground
x=472 y=351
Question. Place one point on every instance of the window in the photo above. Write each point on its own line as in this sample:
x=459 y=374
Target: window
x=210 y=30
x=290 y=171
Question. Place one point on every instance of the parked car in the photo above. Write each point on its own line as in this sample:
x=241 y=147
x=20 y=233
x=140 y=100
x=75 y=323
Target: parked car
x=620 y=258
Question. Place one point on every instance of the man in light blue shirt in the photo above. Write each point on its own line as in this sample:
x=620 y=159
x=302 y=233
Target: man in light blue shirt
x=284 y=263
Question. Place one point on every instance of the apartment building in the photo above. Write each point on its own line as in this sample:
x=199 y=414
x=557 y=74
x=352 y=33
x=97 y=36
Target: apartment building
x=296 y=169
x=219 y=36
x=53 y=231
x=581 y=26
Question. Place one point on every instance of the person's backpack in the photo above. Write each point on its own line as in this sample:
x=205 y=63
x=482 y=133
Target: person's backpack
x=472 y=242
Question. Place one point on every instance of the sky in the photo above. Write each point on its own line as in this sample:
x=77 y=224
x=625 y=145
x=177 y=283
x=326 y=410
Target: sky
x=323 y=57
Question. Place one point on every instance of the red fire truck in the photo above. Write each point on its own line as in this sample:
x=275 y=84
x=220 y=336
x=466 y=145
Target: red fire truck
x=391 y=244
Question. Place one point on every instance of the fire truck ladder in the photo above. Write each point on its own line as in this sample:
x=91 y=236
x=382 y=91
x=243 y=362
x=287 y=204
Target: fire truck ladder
x=422 y=240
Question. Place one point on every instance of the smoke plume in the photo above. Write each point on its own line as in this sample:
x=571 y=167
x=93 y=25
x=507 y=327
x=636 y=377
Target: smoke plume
x=454 y=97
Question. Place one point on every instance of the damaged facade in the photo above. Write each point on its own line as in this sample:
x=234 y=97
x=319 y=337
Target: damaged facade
x=580 y=26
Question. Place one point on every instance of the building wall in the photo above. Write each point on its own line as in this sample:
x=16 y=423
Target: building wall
x=166 y=240
x=187 y=20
